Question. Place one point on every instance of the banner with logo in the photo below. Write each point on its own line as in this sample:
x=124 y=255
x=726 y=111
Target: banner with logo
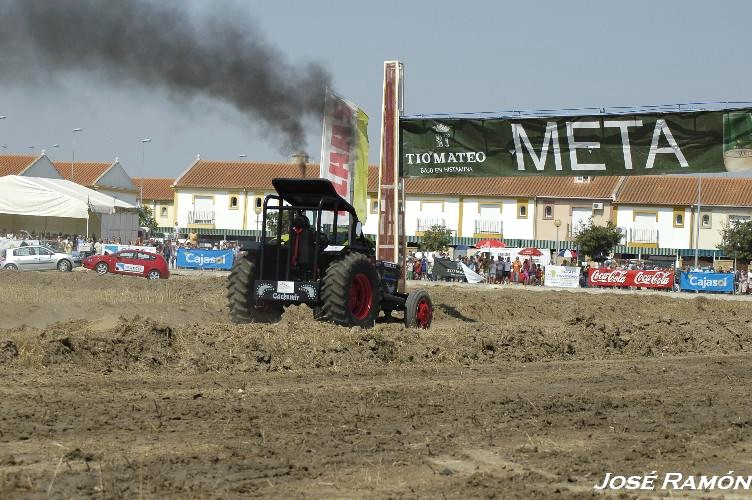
x=601 y=144
x=445 y=268
x=562 y=277
x=111 y=248
x=624 y=277
x=204 y=259
x=707 y=282
x=344 y=151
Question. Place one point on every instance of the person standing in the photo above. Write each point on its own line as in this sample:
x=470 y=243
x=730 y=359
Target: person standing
x=516 y=267
x=492 y=271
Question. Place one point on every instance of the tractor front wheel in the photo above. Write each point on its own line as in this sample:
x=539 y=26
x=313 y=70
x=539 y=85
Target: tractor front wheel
x=243 y=308
x=418 y=310
x=351 y=292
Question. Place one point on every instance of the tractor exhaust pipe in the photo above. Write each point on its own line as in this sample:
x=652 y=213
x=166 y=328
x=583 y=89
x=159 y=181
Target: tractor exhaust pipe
x=300 y=159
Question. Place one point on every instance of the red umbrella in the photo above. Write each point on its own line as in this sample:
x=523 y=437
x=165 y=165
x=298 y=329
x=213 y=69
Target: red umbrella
x=530 y=251
x=490 y=244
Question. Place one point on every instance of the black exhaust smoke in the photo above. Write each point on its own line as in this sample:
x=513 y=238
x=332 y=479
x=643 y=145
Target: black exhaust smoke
x=157 y=44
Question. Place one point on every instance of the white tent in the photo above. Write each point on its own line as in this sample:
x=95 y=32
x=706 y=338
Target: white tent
x=64 y=206
x=36 y=196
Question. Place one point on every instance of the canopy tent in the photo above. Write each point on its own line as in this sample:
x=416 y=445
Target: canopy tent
x=61 y=206
x=40 y=197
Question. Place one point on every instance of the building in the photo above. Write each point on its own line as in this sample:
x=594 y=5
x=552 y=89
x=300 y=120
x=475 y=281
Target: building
x=662 y=211
x=214 y=196
x=28 y=166
x=109 y=178
x=656 y=213
x=157 y=194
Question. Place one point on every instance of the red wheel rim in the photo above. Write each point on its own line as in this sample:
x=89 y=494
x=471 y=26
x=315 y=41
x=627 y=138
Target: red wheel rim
x=424 y=313
x=361 y=297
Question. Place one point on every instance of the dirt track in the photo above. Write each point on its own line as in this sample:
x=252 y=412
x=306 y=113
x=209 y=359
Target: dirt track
x=119 y=387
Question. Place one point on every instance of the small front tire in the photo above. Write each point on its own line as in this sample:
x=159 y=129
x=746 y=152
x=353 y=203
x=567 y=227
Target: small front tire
x=418 y=310
x=153 y=275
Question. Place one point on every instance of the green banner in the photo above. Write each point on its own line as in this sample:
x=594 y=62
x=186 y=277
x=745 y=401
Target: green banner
x=617 y=144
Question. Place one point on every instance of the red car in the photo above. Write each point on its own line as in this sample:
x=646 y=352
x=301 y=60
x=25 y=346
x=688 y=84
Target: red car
x=129 y=262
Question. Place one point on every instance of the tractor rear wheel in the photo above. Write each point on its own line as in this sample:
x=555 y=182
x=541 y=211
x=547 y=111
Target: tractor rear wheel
x=351 y=292
x=243 y=308
x=418 y=309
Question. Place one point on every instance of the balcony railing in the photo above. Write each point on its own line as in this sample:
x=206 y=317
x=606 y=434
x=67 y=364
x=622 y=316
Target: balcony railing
x=201 y=217
x=489 y=226
x=641 y=235
x=426 y=224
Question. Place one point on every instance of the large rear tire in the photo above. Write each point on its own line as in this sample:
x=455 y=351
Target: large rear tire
x=418 y=310
x=351 y=292
x=240 y=296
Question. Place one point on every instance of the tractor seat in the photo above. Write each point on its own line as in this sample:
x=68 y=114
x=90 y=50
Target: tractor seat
x=301 y=243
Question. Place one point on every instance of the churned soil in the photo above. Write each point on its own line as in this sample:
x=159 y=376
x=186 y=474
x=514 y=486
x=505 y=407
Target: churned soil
x=120 y=387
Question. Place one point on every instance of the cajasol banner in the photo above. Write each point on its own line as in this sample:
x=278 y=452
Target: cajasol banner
x=707 y=282
x=618 y=144
x=562 y=277
x=344 y=151
x=204 y=259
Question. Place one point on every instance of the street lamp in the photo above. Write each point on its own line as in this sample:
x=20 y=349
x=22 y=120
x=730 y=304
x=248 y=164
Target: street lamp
x=557 y=223
x=73 y=152
x=144 y=141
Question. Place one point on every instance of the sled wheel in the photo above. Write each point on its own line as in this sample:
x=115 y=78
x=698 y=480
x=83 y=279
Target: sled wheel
x=240 y=296
x=418 y=310
x=351 y=292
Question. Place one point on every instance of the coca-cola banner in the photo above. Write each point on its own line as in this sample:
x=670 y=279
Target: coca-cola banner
x=624 y=277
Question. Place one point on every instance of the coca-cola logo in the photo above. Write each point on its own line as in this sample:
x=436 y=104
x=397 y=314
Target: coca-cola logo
x=624 y=277
x=656 y=278
x=615 y=276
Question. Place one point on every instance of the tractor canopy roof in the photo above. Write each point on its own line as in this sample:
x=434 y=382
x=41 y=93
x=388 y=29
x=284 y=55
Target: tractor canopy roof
x=308 y=193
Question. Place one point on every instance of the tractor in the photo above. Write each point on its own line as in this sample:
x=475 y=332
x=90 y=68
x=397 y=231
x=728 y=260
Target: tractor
x=317 y=255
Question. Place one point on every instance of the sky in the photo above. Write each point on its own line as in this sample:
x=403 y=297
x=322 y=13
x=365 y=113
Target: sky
x=474 y=56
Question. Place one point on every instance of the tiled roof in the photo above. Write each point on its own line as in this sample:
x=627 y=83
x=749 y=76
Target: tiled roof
x=239 y=174
x=682 y=190
x=155 y=188
x=542 y=187
x=15 y=164
x=649 y=190
x=84 y=173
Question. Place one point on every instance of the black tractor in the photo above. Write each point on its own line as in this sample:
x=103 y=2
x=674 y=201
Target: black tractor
x=317 y=255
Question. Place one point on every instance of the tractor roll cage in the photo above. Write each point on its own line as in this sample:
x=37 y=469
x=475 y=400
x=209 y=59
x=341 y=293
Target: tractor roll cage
x=326 y=203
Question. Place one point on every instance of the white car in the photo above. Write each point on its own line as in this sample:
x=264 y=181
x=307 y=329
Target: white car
x=36 y=257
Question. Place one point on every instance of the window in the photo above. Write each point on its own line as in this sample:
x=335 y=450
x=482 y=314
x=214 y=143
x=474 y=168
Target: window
x=145 y=256
x=678 y=217
x=374 y=206
x=548 y=212
x=45 y=251
x=582 y=178
x=163 y=212
x=706 y=220
x=126 y=255
x=25 y=251
x=233 y=202
x=522 y=211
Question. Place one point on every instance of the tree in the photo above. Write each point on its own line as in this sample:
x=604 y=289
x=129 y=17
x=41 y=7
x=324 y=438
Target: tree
x=736 y=239
x=597 y=241
x=146 y=218
x=436 y=238
x=272 y=221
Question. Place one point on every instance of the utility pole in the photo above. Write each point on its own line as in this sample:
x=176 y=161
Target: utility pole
x=697 y=225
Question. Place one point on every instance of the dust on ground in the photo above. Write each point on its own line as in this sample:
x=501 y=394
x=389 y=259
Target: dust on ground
x=117 y=386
